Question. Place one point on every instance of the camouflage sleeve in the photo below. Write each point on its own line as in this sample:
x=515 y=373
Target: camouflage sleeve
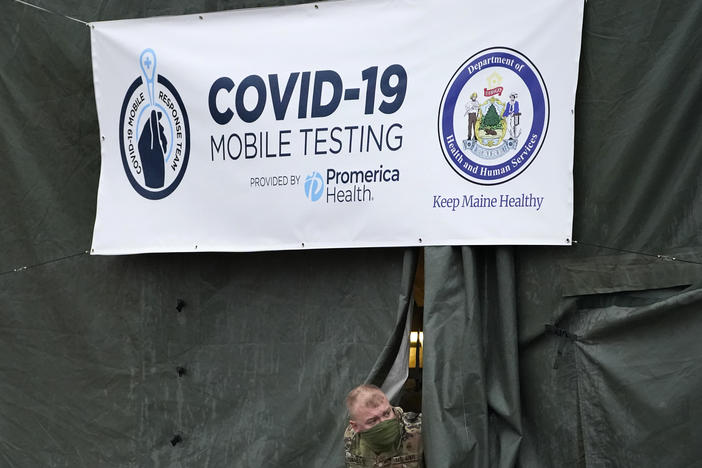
x=412 y=443
x=412 y=421
x=350 y=447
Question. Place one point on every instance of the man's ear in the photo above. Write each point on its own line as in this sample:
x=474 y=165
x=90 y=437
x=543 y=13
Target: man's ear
x=353 y=424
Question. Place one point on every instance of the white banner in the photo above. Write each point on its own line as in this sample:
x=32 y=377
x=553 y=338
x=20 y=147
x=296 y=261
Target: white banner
x=337 y=124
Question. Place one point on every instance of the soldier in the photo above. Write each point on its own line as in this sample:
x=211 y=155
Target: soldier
x=379 y=435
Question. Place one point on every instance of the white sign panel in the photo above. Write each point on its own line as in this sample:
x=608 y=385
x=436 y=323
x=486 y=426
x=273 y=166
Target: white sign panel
x=337 y=124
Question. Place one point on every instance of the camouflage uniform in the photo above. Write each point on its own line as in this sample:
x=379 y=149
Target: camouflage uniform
x=409 y=452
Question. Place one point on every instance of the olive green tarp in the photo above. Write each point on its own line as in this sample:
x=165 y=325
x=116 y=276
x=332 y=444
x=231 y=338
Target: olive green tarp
x=582 y=356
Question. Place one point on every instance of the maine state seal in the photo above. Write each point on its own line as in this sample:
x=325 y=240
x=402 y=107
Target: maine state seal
x=493 y=116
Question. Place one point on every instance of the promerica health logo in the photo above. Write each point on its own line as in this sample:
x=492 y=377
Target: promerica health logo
x=154 y=132
x=349 y=185
x=493 y=116
x=314 y=186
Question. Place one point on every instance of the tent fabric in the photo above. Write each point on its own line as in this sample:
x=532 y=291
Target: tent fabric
x=616 y=384
x=91 y=350
x=613 y=381
x=582 y=356
x=390 y=371
x=472 y=411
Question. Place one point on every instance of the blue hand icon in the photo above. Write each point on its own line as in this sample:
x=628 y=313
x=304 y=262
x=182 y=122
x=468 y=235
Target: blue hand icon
x=152 y=147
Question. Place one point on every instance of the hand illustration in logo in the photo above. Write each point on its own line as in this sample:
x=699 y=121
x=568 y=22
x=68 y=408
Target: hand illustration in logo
x=152 y=147
x=156 y=158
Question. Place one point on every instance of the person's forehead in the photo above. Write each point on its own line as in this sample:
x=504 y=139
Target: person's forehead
x=363 y=408
x=372 y=413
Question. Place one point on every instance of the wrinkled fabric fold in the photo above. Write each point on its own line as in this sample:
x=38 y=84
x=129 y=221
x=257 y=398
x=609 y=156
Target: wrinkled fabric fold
x=471 y=395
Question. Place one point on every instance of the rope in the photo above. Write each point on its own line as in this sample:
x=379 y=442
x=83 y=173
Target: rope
x=29 y=267
x=52 y=12
x=637 y=252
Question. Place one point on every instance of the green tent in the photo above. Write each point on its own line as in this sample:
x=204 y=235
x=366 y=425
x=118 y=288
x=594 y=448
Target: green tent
x=581 y=356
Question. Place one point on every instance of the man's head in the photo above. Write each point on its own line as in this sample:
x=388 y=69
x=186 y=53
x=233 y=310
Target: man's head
x=367 y=406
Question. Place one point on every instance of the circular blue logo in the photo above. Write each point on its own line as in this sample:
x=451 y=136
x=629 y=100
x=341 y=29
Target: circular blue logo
x=493 y=116
x=154 y=133
x=314 y=186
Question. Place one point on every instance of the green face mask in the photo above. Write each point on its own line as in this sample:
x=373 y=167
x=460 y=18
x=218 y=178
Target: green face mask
x=382 y=437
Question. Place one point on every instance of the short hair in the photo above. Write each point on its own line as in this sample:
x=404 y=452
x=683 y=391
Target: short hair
x=367 y=395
